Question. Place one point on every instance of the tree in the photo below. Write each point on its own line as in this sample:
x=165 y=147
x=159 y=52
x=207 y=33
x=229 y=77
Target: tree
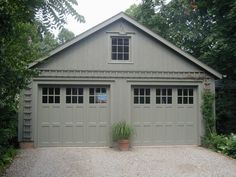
x=21 y=25
x=24 y=29
x=48 y=42
x=146 y=13
x=64 y=36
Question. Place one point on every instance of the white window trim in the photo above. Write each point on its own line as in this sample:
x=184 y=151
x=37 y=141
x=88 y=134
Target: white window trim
x=117 y=34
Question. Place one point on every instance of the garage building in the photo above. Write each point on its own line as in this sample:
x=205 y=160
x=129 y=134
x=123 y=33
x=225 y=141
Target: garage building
x=117 y=70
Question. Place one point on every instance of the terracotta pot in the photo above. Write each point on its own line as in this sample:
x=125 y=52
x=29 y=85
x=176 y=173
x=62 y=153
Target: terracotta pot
x=123 y=145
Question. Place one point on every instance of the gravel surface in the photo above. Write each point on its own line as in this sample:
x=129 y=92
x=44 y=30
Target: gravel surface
x=106 y=162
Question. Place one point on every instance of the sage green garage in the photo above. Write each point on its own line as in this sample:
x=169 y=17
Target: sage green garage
x=117 y=70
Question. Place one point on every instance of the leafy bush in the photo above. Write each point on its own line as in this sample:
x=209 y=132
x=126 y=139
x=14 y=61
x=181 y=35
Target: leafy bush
x=230 y=149
x=6 y=158
x=8 y=133
x=221 y=143
x=121 y=130
x=215 y=142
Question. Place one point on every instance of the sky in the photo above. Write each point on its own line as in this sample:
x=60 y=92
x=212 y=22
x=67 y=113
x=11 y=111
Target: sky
x=96 y=12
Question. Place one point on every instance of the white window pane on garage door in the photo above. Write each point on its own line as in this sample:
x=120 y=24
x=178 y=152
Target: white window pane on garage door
x=164 y=120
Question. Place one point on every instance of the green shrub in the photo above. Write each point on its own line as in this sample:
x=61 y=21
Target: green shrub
x=215 y=142
x=8 y=133
x=6 y=158
x=221 y=143
x=121 y=130
x=230 y=149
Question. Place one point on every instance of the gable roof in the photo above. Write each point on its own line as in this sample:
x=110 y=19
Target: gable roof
x=124 y=16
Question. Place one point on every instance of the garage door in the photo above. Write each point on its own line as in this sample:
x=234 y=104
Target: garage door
x=73 y=116
x=164 y=115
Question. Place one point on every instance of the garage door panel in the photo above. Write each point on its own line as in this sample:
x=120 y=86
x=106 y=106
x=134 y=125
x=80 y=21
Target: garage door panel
x=170 y=134
x=160 y=114
x=79 y=135
x=44 y=135
x=137 y=117
x=54 y=135
x=103 y=138
x=54 y=115
x=72 y=120
x=190 y=134
x=137 y=134
x=170 y=114
x=45 y=114
x=170 y=117
x=92 y=135
x=147 y=131
x=159 y=133
x=78 y=115
x=93 y=115
x=180 y=133
x=68 y=115
x=147 y=115
x=188 y=112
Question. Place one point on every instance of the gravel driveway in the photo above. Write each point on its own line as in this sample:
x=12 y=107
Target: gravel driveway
x=105 y=162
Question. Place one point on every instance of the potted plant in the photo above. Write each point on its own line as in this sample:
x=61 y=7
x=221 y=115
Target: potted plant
x=121 y=133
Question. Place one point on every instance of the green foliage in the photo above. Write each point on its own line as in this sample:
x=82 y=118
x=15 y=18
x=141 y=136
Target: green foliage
x=6 y=158
x=208 y=112
x=8 y=131
x=53 y=13
x=8 y=126
x=121 y=130
x=47 y=14
x=47 y=43
x=221 y=143
x=64 y=36
x=231 y=146
x=24 y=37
x=215 y=142
x=145 y=13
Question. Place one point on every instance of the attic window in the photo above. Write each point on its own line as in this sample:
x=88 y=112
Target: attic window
x=120 y=48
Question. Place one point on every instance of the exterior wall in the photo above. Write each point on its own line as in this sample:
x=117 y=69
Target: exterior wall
x=120 y=92
x=93 y=53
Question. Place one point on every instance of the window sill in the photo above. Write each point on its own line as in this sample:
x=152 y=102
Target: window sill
x=120 y=62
